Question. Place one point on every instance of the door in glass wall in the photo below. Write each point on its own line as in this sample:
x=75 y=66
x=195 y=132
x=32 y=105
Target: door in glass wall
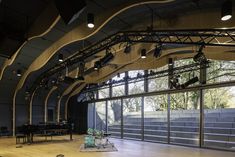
x=114 y=118
x=184 y=118
x=219 y=117
x=155 y=118
x=132 y=118
x=100 y=115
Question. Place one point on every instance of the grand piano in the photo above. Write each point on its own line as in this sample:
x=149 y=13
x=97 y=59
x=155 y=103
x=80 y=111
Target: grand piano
x=27 y=132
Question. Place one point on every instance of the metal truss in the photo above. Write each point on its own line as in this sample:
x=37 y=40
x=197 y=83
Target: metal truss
x=151 y=75
x=206 y=37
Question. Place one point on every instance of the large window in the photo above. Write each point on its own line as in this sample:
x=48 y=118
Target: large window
x=103 y=93
x=136 y=86
x=155 y=118
x=132 y=118
x=184 y=118
x=118 y=89
x=159 y=83
x=100 y=115
x=114 y=118
x=169 y=115
x=219 y=121
x=220 y=71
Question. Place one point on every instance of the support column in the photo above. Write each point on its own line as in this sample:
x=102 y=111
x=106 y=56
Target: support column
x=203 y=76
x=31 y=107
x=170 y=76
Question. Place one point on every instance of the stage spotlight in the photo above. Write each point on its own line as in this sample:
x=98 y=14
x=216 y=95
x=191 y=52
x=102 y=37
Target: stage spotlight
x=90 y=20
x=118 y=75
x=157 y=51
x=19 y=74
x=226 y=10
x=175 y=82
x=200 y=56
x=81 y=71
x=127 y=48
x=61 y=57
x=170 y=61
x=107 y=58
x=97 y=65
x=143 y=53
x=190 y=82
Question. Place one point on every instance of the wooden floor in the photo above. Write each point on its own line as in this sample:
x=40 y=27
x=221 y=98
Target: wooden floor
x=126 y=148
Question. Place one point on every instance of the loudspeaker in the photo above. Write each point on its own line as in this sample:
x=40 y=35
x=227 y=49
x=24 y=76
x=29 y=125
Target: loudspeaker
x=70 y=9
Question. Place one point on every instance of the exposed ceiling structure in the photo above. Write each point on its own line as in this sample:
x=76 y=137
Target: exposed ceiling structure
x=41 y=35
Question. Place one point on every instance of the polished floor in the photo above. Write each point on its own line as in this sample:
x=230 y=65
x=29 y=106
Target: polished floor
x=126 y=148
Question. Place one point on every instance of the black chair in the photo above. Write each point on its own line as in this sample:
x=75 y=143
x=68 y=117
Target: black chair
x=20 y=135
x=4 y=131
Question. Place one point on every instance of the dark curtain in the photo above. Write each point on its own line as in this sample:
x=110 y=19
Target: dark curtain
x=77 y=114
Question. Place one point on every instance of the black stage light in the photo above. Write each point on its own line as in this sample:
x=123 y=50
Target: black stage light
x=60 y=57
x=107 y=58
x=118 y=75
x=81 y=71
x=200 y=58
x=170 y=61
x=143 y=53
x=157 y=51
x=190 y=82
x=18 y=73
x=226 y=10
x=127 y=48
x=90 y=20
x=97 y=65
x=81 y=78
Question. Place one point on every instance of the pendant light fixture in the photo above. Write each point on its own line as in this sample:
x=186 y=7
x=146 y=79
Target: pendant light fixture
x=226 y=10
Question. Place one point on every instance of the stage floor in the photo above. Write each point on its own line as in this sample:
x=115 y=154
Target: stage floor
x=126 y=148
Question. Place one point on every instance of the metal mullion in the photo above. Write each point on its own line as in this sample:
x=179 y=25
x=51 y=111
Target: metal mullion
x=121 y=118
x=142 y=118
x=106 y=116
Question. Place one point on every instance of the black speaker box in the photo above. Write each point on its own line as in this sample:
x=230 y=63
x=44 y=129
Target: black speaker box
x=70 y=10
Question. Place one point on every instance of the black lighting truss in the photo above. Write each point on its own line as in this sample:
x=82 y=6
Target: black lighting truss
x=206 y=37
x=151 y=75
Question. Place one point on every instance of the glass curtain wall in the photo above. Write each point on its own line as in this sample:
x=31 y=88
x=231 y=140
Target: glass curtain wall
x=184 y=118
x=155 y=118
x=132 y=118
x=219 y=117
x=114 y=118
x=146 y=118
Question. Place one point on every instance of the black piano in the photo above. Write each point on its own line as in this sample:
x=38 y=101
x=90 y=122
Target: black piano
x=45 y=130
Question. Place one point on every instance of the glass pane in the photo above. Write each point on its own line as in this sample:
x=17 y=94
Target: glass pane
x=114 y=118
x=118 y=90
x=103 y=93
x=100 y=115
x=219 y=130
x=184 y=118
x=157 y=84
x=136 y=86
x=90 y=115
x=132 y=118
x=221 y=71
x=155 y=118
